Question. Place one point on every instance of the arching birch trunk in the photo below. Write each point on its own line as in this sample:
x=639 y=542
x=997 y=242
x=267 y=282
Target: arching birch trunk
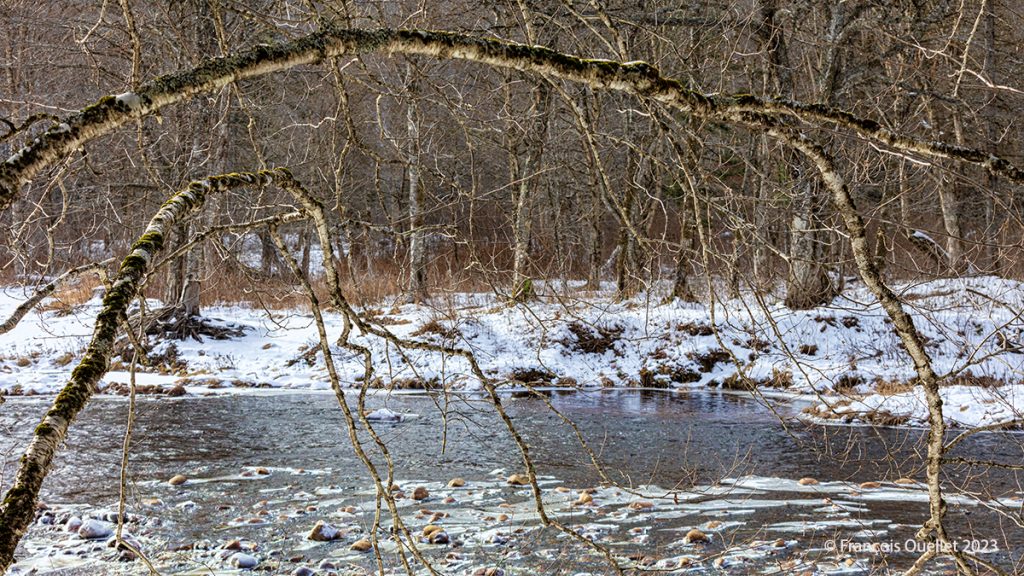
x=112 y=112
x=19 y=503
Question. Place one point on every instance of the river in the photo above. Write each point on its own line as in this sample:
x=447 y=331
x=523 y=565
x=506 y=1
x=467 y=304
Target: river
x=263 y=468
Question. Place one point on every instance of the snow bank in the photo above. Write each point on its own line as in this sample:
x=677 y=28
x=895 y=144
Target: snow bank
x=845 y=353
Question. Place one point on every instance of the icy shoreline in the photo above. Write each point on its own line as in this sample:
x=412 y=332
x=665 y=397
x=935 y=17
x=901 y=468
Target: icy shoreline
x=843 y=358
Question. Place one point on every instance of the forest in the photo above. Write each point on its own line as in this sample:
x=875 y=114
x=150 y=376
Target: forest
x=511 y=287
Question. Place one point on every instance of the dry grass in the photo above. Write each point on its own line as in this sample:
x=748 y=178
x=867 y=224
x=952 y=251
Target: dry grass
x=847 y=382
x=974 y=380
x=780 y=379
x=892 y=387
x=592 y=339
x=708 y=359
x=531 y=376
x=66 y=298
x=679 y=374
x=883 y=418
x=695 y=329
x=383 y=284
x=435 y=326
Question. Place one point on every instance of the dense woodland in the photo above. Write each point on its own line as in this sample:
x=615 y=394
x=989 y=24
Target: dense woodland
x=445 y=174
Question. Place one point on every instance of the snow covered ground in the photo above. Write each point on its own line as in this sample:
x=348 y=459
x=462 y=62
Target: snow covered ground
x=844 y=357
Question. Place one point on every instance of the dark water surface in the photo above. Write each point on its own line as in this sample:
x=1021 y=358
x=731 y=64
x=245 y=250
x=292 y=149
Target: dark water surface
x=668 y=439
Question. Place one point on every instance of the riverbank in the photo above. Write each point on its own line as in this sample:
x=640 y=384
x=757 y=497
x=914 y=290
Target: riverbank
x=844 y=355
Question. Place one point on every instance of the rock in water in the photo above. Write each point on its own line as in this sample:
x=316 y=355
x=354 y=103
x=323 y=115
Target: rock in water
x=95 y=529
x=384 y=415
x=73 y=524
x=870 y=485
x=420 y=493
x=240 y=560
x=362 y=545
x=456 y=483
x=518 y=480
x=323 y=532
x=126 y=538
x=177 y=480
x=694 y=536
x=807 y=482
x=302 y=571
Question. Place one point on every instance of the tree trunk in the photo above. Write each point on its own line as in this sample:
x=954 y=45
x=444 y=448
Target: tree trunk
x=627 y=264
x=762 y=225
x=629 y=273
x=994 y=218
x=527 y=175
x=522 y=285
x=305 y=241
x=808 y=282
x=949 y=203
x=416 y=290
x=596 y=240
x=185 y=286
x=270 y=260
x=688 y=220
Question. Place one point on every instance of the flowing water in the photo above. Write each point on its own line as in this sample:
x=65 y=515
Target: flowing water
x=263 y=469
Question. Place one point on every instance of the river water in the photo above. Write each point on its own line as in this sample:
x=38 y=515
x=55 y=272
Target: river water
x=263 y=469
